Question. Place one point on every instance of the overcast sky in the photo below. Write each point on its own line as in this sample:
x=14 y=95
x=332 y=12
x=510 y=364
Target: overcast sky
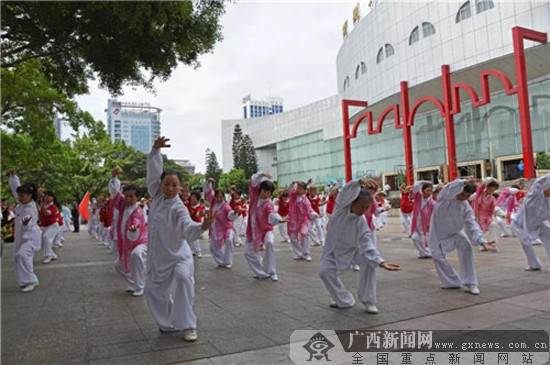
x=285 y=49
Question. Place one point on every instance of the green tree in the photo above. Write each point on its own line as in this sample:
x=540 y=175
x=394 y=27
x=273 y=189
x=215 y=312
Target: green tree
x=212 y=165
x=543 y=161
x=248 y=157
x=236 y=147
x=234 y=177
x=119 y=41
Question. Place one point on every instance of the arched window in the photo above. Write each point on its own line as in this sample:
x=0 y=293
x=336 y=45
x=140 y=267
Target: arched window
x=346 y=83
x=482 y=5
x=427 y=29
x=415 y=36
x=380 y=55
x=363 y=68
x=357 y=72
x=389 y=50
x=464 y=12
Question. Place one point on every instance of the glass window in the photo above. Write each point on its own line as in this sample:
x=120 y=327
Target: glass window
x=415 y=36
x=427 y=29
x=482 y=5
x=357 y=72
x=380 y=55
x=464 y=12
x=389 y=50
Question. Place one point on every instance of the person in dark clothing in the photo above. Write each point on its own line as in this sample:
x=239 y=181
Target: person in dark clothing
x=76 y=216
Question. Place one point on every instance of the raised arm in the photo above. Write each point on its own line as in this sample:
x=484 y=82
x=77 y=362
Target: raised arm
x=451 y=190
x=14 y=184
x=155 y=165
x=114 y=183
x=209 y=192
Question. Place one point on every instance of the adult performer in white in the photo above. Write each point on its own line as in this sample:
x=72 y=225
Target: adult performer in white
x=532 y=221
x=169 y=256
x=349 y=239
x=452 y=222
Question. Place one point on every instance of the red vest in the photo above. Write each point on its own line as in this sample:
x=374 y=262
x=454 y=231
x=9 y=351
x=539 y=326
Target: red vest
x=315 y=203
x=283 y=208
x=45 y=220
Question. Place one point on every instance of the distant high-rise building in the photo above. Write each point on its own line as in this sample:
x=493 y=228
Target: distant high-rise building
x=57 y=125
x=137 y=124
x=187 y=165
x=259 y=108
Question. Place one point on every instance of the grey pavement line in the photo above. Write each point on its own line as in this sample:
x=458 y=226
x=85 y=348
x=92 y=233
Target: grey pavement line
x=55 y=265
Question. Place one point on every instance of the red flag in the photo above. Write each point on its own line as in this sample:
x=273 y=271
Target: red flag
x=83 y=206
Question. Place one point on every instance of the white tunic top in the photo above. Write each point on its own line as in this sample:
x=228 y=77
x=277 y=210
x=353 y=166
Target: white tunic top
x=31 y=231
x=535 y=211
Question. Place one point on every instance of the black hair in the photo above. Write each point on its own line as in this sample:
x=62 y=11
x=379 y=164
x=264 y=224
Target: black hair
x=52 y=194
x=470 y=189
x=133 y=188
x=302 y=184
x=219 y=191
x=267 y=186
x=515 y=186
x=436 y=191
x=238 y=191
x=196 y=194
x=285 y=194
x=427 y=185
x=364 y=193
x=171 y=172
x=28 y=188
x=493 y=184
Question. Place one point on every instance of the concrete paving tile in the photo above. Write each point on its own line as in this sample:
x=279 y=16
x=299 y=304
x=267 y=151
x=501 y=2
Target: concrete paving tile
x=58 y=353
x=271 y=355
x=539 y=300
x=118 y=349
x=107 y=335
x=196 y=362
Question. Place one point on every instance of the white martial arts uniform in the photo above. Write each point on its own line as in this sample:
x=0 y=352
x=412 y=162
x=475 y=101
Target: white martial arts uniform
x=283 y=230
x=169 y=258
x=27 y=237
x=49 y=234
x=452 y=224
x=419 y=236
x=349 y=239
x=532 y=221
x=93 y=223
x=262 y=267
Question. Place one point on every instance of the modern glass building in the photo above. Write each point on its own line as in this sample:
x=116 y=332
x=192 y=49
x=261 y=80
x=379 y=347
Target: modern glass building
x=137 y=124
x=409 y=41
x=259 y=108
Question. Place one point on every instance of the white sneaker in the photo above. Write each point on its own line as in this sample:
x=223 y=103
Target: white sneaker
x=504 y=235
x=228 y=266
x=529 y=268
x=287 y=240
x=308 y=258
x=137 y=293
x=199 y=255
x=537 y=242
x=190 y=335
x=473 y=289
x=296 y=257
x=29 y=287
x=47 y=260
x=355 y=267
x=371 y=308
x=274 y=278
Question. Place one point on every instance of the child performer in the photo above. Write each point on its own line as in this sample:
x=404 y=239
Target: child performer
x=422 y=212
x=349 y=239
x=282 y=210
x=452 y=223
x=507 y=205
x=48 y=220
x=406 y=207
x=299 y=213
x=235 y=200
x=532 y=221
x=221 y=232
x=169 y=258
x=484 y=209
x=197 y=212
x=260 y=228
x=66 y=212
x=331 y=201
x=243 y=212
x=316 y=223
x=131 y=233
x=93 y=223
x=27 y=232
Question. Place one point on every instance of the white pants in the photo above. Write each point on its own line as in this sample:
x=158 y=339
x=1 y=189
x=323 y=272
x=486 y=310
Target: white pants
x=366 y=290
x=222 y=255
x=419 y=238
x=318 y=224
x=466 y=261
x=532 y=259
x=283 y=230
x=492 y=233
x=236 y=230
x=242 y=226
x=135 y=280
x=57 y=241
x=301 y=249
x=406 y=221
x=173 y=310
x=195 y=246
x=114 y=249
x=24 y=268
x=48 y=237
x=262 y=267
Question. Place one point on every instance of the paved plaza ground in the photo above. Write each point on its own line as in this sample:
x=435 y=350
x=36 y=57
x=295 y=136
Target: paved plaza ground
x=81 y=314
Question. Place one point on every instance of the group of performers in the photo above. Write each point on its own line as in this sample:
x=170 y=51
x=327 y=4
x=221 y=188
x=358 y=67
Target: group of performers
x=154 y=245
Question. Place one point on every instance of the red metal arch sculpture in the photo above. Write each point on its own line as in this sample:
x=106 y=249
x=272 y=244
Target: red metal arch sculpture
x=451 y=96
